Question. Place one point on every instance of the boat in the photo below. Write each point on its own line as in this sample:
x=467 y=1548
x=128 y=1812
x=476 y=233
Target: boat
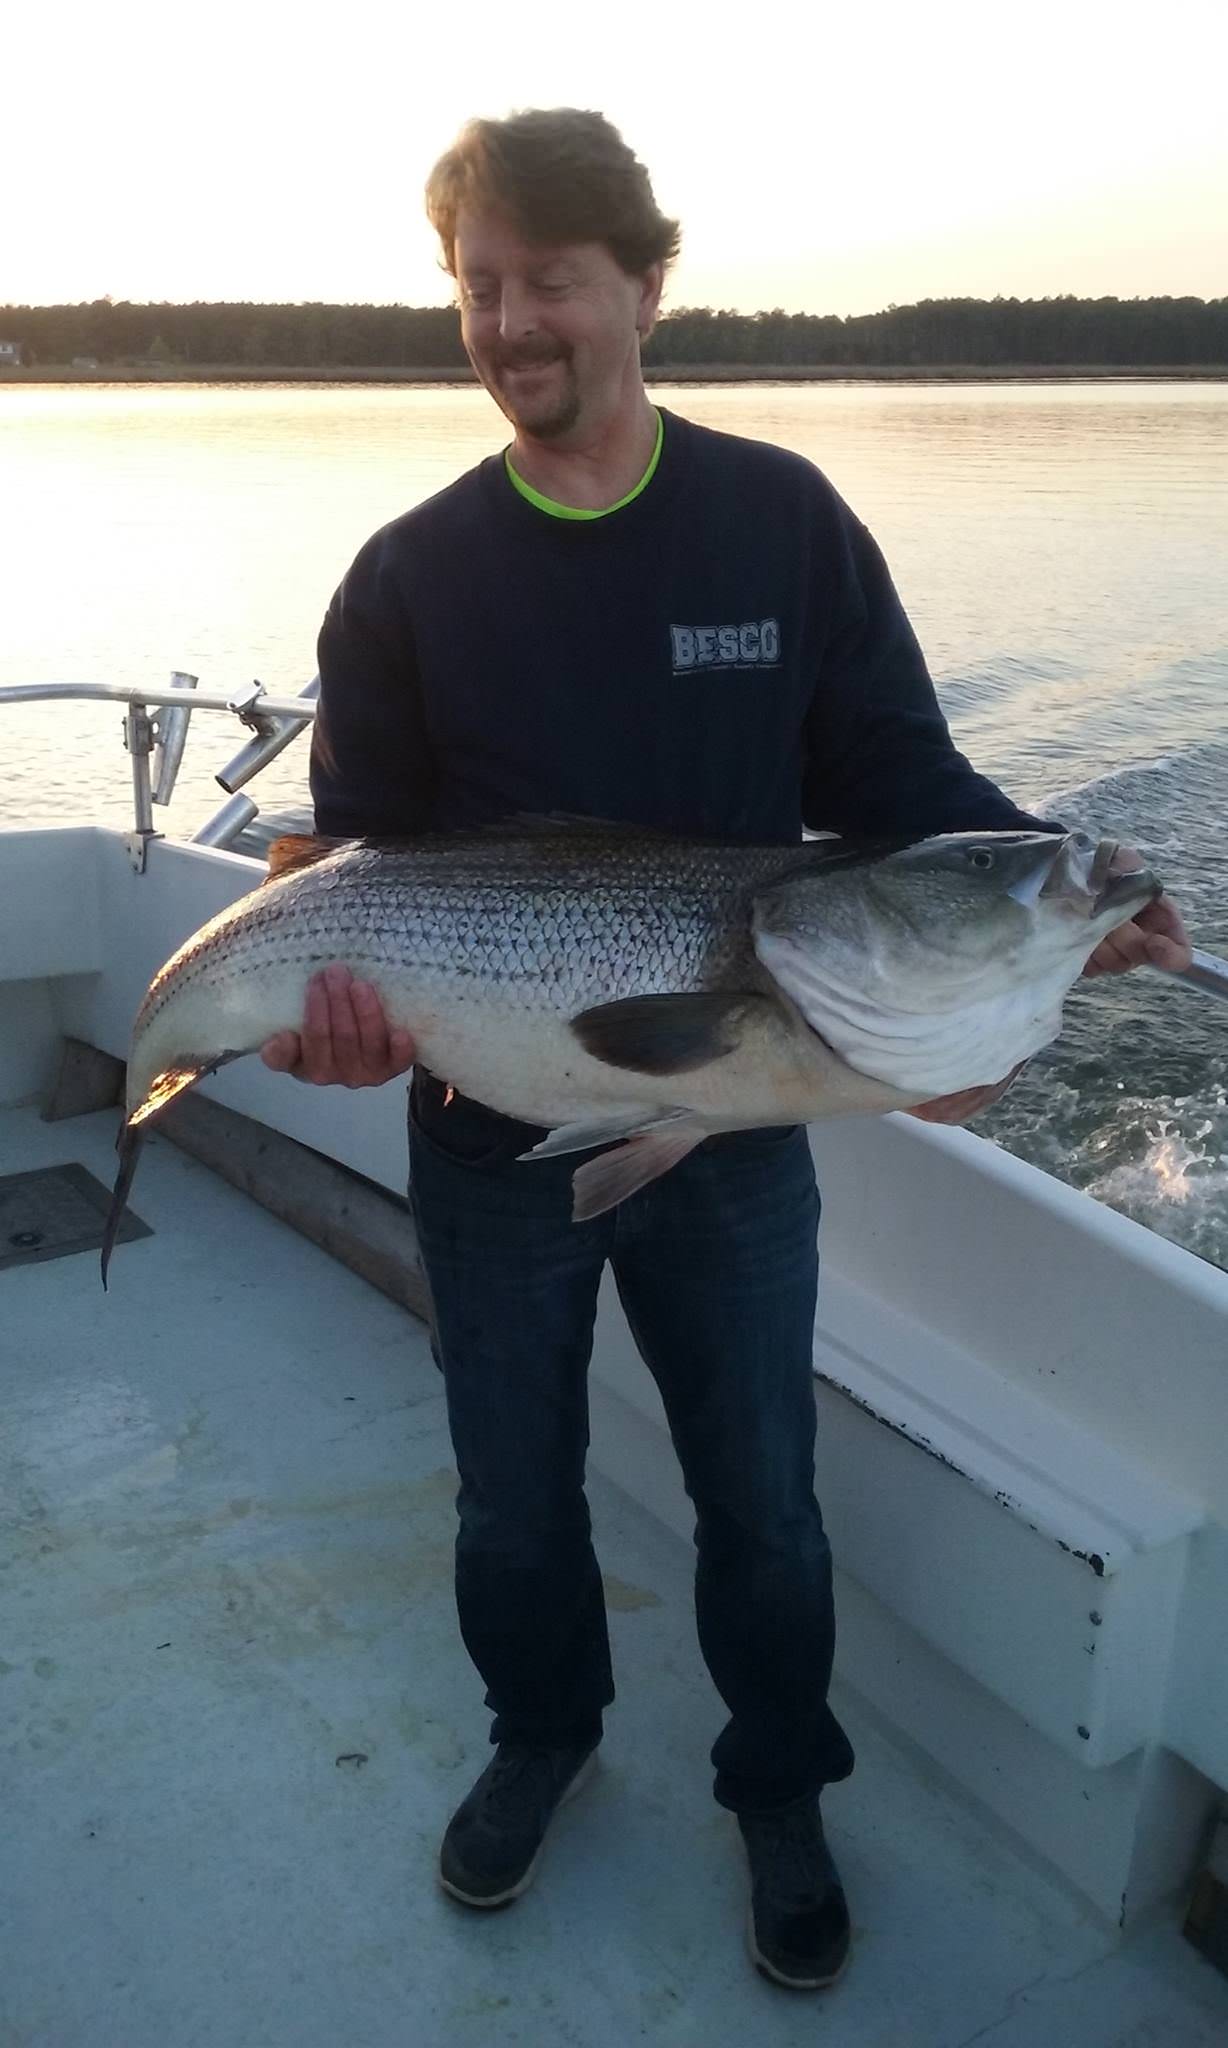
x=239 y=1711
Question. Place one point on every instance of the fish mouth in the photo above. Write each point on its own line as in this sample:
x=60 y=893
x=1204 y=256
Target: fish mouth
x=1128 y=891
x=1080 y=879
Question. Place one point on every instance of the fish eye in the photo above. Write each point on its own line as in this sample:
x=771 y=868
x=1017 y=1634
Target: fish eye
x=980 y=857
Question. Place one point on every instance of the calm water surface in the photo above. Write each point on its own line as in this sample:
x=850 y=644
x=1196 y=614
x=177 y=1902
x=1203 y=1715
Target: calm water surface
x=1062 y=551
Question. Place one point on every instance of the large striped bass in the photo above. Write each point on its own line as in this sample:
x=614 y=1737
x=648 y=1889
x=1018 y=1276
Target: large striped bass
x=616 y=986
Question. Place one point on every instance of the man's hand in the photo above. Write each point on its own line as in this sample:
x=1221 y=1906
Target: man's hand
x=345 y=1039
x=1157 y=937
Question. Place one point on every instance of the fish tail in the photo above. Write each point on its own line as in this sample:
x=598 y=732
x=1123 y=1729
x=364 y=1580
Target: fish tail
x=172 y=1081
x=128 y=1145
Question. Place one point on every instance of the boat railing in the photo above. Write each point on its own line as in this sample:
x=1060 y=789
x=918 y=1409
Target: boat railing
x=156 y=742
x=155 y=731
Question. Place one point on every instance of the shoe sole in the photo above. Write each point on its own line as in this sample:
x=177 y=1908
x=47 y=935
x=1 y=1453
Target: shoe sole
x=505 y=1898
x=768 y=1969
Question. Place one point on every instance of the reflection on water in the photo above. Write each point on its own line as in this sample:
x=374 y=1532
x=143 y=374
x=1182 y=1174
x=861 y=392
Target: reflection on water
x=1060 y=550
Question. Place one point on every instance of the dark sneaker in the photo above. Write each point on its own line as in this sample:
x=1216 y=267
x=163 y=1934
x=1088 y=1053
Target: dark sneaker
x=798 y=1929
x=493 y=1840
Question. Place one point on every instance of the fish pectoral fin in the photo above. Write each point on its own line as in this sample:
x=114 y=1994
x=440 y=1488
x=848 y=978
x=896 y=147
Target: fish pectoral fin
x=604 y=1182
x=581 y=1137
x=296 y=850
x=666 y=1034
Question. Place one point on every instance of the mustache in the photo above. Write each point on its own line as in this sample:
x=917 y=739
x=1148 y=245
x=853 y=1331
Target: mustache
x=531 y=358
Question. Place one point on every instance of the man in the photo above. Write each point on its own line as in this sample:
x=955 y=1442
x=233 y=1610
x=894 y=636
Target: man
x=629 y=617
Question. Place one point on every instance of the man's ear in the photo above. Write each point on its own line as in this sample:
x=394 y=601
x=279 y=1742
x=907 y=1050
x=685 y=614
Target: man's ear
x=650 y=299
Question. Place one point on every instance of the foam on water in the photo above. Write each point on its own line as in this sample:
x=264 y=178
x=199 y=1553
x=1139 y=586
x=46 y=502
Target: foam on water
x=1178 y=1182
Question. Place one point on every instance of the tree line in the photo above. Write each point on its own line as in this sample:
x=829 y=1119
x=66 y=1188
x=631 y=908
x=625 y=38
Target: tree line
x=1159 y=332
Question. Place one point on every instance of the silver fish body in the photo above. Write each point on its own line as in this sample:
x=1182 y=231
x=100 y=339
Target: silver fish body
x=604 y=984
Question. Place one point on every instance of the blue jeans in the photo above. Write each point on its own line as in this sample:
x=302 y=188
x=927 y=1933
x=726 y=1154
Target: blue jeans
x=717 y=1269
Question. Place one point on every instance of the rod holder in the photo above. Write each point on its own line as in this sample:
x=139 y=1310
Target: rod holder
x=170 y=726
x=273 y=733
x=224 y=827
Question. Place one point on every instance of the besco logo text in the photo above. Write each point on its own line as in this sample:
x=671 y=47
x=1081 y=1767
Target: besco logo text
x=755 y=644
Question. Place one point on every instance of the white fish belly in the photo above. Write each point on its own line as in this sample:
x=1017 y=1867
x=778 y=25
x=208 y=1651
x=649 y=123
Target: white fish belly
x=530 y=1065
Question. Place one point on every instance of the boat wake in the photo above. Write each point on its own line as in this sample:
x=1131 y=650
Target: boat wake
x=1131 y=1105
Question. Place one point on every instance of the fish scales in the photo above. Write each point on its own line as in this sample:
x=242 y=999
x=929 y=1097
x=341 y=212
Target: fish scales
x=625 y=922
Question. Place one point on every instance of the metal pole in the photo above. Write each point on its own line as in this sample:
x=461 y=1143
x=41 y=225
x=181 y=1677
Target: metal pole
x=1209 y=973
x=237 y=701
x=224 y=827
x=139 y=739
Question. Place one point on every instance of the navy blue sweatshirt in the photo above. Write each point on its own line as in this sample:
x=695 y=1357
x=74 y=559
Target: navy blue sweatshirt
x=724 y=657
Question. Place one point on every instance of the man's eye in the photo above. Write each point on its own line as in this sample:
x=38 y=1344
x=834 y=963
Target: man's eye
x=553 y=288
x=478 y=297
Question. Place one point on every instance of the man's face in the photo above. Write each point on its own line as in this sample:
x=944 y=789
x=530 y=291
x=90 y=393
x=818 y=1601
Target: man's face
x=551 y=331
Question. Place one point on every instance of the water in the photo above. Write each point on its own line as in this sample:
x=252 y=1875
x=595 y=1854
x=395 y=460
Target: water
x=1061 y=550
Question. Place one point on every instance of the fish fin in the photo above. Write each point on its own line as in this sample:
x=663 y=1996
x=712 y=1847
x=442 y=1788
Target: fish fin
x=665 y=1034
x=533 y=824
x=172 y=1081
x=128 y=1145
x=296 y=850
x=604 y=1182
x=832 y=851
x=522 y=825
x=581 y=1137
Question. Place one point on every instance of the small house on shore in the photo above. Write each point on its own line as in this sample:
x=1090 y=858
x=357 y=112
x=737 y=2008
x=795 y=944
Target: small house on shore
x=10 y=355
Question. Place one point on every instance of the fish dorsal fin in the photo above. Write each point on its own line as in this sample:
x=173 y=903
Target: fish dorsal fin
x=569 y=825
x=296 y=850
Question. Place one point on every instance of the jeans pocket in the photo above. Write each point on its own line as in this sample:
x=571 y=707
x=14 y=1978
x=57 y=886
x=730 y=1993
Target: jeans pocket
x=763 y=1141
x=457 y=1129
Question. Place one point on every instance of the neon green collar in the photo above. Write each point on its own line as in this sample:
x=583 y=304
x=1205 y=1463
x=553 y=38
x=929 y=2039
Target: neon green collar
x=557 y=511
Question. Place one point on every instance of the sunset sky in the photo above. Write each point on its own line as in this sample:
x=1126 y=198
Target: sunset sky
x=250 y=150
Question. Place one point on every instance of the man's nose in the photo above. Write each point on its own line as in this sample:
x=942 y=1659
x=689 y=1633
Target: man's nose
x=517 y=315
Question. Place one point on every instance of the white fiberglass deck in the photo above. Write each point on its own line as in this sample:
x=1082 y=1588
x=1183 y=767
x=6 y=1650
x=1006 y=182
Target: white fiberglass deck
x=228 y=1492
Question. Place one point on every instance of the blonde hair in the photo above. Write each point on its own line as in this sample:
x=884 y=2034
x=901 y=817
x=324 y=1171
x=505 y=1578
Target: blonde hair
x=559 y=175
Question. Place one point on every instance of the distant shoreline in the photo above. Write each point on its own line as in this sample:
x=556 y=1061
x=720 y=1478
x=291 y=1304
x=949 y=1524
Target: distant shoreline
x=683 y=373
